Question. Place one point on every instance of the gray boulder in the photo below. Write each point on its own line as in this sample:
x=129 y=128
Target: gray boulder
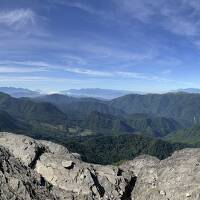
x=175 y=178
x=19 y=182
x=22 y=147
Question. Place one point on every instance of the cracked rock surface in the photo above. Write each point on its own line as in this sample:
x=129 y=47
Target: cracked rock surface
x=64 y=176
x=175 y=178
x=20 y=182
x=70 y=177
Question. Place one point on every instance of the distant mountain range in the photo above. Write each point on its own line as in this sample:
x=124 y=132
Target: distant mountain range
x=19 y=92
x=112 y=94
x=188 y=90
x=97 y=93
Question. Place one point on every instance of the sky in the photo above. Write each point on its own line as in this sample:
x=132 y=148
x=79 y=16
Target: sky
x=137 y=45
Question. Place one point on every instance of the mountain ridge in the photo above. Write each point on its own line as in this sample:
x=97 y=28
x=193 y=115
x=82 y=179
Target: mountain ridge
x=180 y=106
x=188 y=90
x=19 y=92
x=25 y=108
x=96 y=93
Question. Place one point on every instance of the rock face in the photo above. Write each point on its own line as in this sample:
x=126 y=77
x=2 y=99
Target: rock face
x=175 y=178
x=44 y=170
x=20 y=182
x=70 y=177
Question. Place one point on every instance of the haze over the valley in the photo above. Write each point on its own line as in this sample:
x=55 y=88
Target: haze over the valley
x=84 y=92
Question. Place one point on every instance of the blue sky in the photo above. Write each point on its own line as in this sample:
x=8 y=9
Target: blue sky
x=139 y=45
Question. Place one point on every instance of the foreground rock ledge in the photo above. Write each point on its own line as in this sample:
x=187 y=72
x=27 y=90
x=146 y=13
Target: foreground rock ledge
x=33 y=169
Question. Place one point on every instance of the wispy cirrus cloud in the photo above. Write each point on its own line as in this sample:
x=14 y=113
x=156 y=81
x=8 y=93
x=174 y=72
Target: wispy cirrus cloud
x=79 y=5
x=166 y=71
x=33 y=64
x=89 y=72
x=15 y=69
x=35 y=79
x=17 y=18
x=142 y=76
x=89 y=9
x=142 y=10
x=25 y=22
x=172 y=14
x=41 y=66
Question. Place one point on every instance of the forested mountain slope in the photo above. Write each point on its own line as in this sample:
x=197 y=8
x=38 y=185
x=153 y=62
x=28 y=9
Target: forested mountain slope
x=152 y=125
x=8 y=123
x=187 y=136
x=180 y=106
x=79 y=106
x=27 y=109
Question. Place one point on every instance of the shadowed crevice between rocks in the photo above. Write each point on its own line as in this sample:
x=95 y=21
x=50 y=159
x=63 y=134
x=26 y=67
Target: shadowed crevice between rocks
x=120 y=172
x=129 y=188
x=100 y=189
x=38 y=154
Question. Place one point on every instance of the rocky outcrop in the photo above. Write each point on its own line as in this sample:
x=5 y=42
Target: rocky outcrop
x=53 y=172
x=20 y=182
x=65 y=171
x=175 y=178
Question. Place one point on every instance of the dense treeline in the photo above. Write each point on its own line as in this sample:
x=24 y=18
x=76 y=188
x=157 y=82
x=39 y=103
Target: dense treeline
x=187 y=136
x=112 y=149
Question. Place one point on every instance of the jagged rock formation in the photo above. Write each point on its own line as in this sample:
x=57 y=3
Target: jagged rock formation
x=175 y=178
x=66 y=172
x=50 y=171
x=20 y=182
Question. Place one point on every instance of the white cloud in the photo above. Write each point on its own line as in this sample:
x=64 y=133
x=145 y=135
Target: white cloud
x=35 y=79
x=17 y=18
x=139 y=9
x=89 y=9
x=84 y=7
x=171 y=15
x=41 y=66
x=17 y=69
x=167 y=71
x=142 y=10
x=79 y=5
x=142 y=76
x=182 y=26
x=74 y=59
x=27 y=63
x=101 y=48
x=88 y=72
